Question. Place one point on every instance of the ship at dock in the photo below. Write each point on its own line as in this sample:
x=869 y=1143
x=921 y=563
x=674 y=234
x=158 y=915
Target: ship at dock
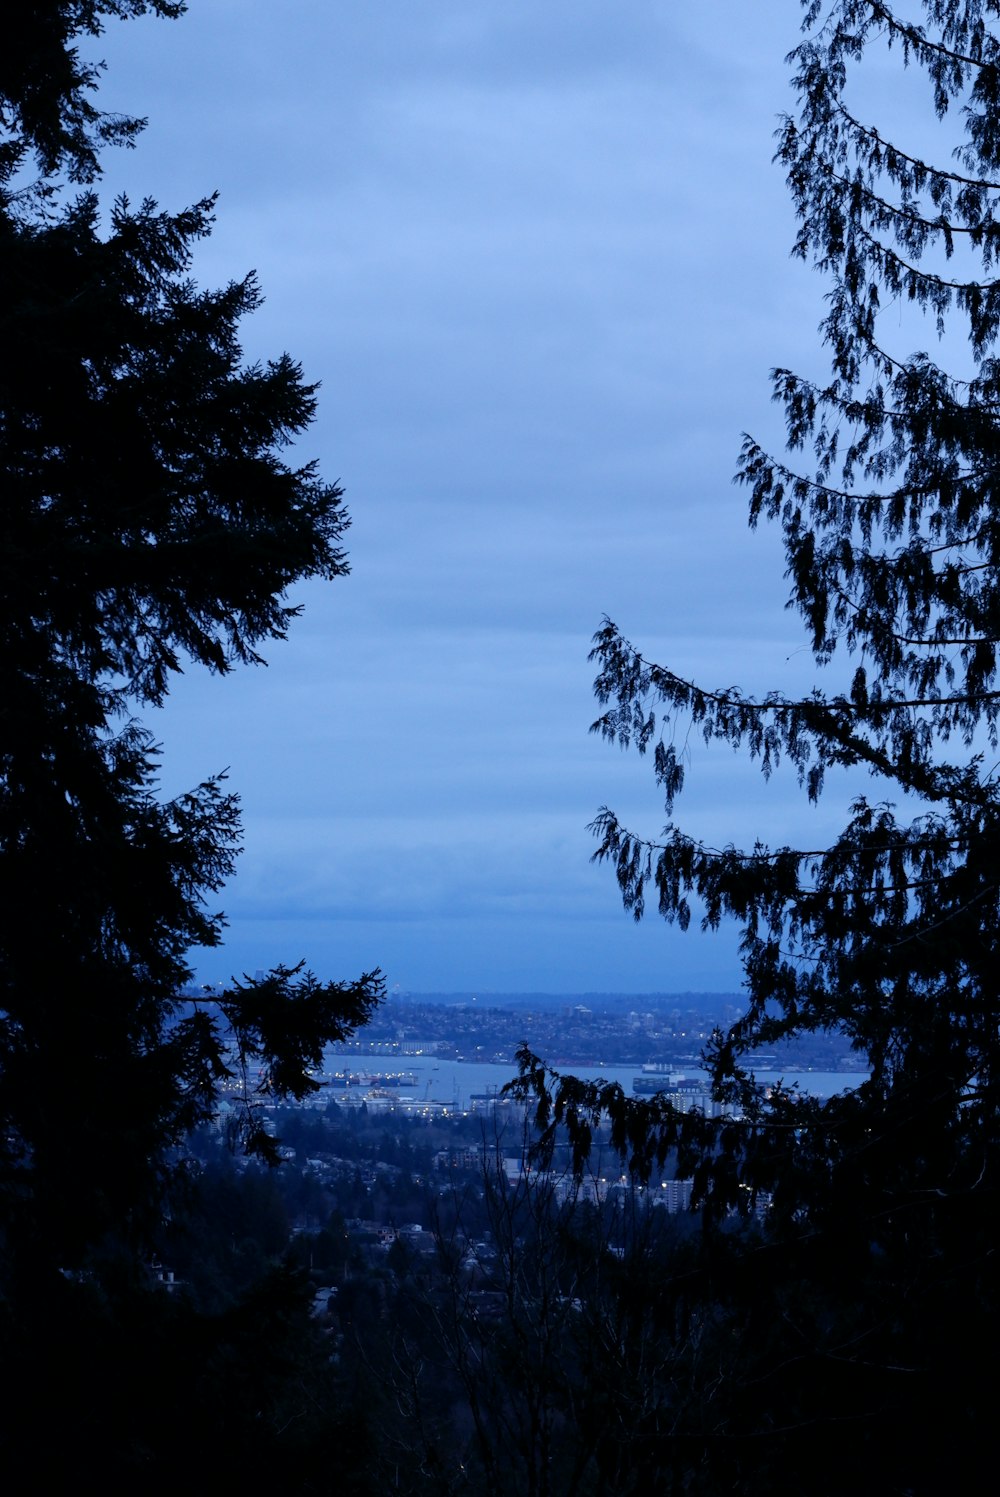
x=369 y=1080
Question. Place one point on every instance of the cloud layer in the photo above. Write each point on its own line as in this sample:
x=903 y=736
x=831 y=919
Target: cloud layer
x=538 y=258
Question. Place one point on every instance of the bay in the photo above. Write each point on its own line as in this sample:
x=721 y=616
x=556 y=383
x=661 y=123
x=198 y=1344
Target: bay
x=454 y=1084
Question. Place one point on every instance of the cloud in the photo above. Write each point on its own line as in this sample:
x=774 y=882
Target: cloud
x=538 y=259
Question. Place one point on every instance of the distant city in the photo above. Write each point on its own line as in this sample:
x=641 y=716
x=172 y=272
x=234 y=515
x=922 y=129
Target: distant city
x=669 y=1030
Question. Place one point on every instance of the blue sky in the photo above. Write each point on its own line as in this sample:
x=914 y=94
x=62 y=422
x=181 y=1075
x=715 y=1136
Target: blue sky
x=537 y=255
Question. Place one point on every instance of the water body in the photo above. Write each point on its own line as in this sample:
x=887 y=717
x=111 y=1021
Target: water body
x=455 y=1082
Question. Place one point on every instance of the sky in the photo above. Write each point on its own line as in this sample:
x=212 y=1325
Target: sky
x=537 y=257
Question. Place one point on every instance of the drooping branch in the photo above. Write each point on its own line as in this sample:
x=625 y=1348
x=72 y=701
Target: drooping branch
x=874 y=726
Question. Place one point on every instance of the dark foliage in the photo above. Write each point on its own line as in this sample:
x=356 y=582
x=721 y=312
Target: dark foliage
x=856 y=1316
x=150 y=520
x=45 y=86
x=168 y=1395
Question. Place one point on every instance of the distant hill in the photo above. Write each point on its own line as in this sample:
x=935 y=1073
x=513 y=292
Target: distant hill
x=706 y=1003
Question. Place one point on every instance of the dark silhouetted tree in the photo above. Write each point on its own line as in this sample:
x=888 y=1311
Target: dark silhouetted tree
x=853 y=1327
x=151 y=518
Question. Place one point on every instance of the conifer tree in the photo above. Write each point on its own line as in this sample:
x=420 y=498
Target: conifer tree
x=875 y=1277
x=151 y=519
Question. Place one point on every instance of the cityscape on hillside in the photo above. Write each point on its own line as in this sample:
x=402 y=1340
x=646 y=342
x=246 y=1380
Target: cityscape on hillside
x=668 y=1030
